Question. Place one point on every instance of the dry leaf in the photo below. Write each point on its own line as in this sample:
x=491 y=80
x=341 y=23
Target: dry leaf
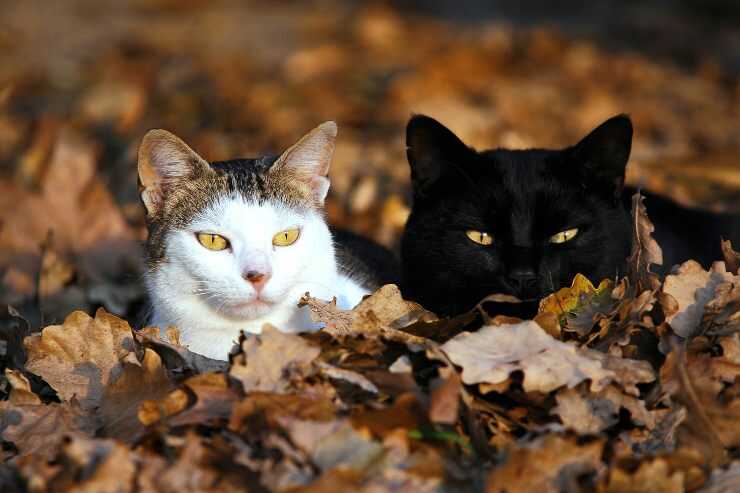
x=82 y=356
x=723 y=481
x=382 y=314
x=645 y=250
x=578 y=306
x=692 y=288
x=548 y=465
x=732 y=258
x=41 y=428
x=136 y=382
x=590 y=413
x=651 y=477
x=445 y=399
x=269 y=359
x=101 y=466
x=493 y=353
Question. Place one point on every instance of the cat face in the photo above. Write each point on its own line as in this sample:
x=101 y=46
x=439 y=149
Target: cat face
x=513 y=222
x=235 y=240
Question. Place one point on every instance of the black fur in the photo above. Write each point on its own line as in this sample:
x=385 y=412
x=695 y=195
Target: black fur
x=522 y=198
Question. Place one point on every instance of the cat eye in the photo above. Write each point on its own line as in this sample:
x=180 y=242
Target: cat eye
x=564 y=236
x=213 y=241
x=479 y=237
x=287 y=237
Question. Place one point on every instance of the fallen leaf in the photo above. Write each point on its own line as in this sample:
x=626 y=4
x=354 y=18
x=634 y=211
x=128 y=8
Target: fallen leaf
x=95 y=465
x=592 y=413
x=269 y=360
x=445 y=399
x=493 y=353
x=722 y=313
x=20 y=392
x=333 y=443
x=578 y=306
x=692 y=288
x=550 y=464
x=178 y=359
x=645 y=250
x=650 y=477
x=723 y=480
x=82 y=356
x=42 y=428
x=382 y=314
x=136 y=382
x=732 y=258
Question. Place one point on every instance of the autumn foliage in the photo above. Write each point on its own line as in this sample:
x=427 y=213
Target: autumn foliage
x=620 y=385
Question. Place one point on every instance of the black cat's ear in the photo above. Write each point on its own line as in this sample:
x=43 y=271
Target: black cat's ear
x=603 y=154
x=431 y=148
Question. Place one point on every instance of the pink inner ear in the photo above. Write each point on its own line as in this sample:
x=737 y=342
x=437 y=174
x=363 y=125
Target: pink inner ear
x=320 y=187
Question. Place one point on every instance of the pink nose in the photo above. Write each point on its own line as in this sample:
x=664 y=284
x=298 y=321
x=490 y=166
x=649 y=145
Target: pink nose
x=257 y=279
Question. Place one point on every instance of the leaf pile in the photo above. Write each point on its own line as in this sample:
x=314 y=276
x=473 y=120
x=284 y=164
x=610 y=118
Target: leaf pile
x=624 y=385
x=640 y=394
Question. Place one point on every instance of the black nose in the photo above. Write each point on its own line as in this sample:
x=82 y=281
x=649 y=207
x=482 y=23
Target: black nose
x=523 y=280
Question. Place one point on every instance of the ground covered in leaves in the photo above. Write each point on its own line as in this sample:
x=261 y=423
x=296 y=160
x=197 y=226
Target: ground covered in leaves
x=625 y=387
x=617 y=388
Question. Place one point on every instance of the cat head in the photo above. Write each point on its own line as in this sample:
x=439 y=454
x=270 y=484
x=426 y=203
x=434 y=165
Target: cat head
x=520 y=222
x=234 y=237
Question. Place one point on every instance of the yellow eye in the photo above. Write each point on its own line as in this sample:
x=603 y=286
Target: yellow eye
x=212 y=241
x=287 y=237
x=564 y=236
x=479 y=237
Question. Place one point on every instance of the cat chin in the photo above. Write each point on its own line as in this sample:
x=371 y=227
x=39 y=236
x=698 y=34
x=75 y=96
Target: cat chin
x=248 y=310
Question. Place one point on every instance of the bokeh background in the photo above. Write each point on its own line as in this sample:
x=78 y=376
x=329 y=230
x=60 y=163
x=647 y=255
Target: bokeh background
x=81 y=81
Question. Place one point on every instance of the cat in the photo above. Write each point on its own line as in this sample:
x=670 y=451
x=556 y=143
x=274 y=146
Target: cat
x=524 y=222
x=234 y=244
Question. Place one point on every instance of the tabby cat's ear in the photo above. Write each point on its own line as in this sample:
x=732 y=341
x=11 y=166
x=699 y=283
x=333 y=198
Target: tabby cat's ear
x=431 y=148
x=307 y=162
x=164 y=162
x=603 y=154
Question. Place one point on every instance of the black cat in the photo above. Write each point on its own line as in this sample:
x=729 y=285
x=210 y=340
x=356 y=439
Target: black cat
x=524 y=222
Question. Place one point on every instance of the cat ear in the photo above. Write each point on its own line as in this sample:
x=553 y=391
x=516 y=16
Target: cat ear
x=165 y=161
x=309 y=159
x=430 y=147
x=603 y=154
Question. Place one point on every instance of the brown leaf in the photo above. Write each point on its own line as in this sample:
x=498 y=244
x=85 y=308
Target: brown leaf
x=692 y=288
x=333 y=443
x=81 y=356
x=94 y=465
x=722 y=313
x=628 y=372
x=177 y=358
x=382 y=314
x=732 y=258
x=578 y=306
x=493 y=353
x=645 y=250
x=551 y=464
x=445 y=399
x=40 y=428
x=723 y=481
x=703 y=428
x=200 y=465
x=136 y=382
x=269 y=360
x=590 y=413
x=650 y=477
x=214 y=400
x=20 y=393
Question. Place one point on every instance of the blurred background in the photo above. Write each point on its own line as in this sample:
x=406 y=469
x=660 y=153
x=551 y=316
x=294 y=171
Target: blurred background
x=81 y=81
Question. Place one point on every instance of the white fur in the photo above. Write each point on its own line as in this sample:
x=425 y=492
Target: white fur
x=203 y=293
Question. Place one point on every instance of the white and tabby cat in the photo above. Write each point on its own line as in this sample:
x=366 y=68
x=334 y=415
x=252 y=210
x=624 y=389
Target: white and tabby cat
x=235 y=244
